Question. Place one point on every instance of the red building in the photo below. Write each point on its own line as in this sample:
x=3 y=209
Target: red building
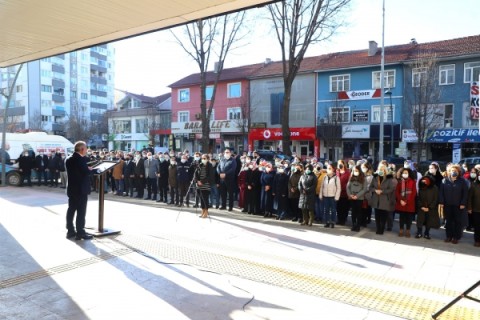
x=230 y=114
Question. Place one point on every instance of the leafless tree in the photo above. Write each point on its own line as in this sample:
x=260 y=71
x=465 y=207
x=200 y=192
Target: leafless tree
x=299 y=24
x=78 y=126
x=36 y=122
x=211 y=39
x=422 y=101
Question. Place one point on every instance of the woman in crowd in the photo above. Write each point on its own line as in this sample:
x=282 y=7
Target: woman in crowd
x=356 y=189
x=172 y=181
x=241 y=177
x=435 y=173
x=366 y=217
x=266 y=180
x=293 y=193
x=252 y=192
x=280 y=192
x=473 y=207
x=330 y=194
x=306 y=187
x=427 y=209
x=203 y=179
x=382 y=192
x=453 y=199
x=320 y=174
x=343 y=204
x=405 y=195
x=472 y=177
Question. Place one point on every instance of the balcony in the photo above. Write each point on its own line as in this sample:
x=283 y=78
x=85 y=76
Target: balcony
x=98 y=68
x=98 y=93
x=99 y=80
x=58 y=98
x=58 y=68
x=16 y=111
x=97 y=105
x=58 y=83
x=58 y=127
x=58 y=113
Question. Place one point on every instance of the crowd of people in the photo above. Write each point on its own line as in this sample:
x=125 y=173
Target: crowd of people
x=303 y=190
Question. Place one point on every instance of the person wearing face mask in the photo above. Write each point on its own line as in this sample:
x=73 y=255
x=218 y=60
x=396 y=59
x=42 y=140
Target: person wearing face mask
x=172 y=182
x=193 y=168
x=252 y=192
x=117 y=174
x=266 y=180
x=214 y=191
x=152 y=168
x=435 y=173
x=320 y=174
x=63 y=171
x=453 y=197
x=139 y=175
x=427 y=209
x=294 y=193
x=25 y=167
x=183 y=180
x=128 y=175
x=473 y=206
x=203 y=180
x=366 y=215
x=306 y=187
x=382 y=190
x=241 y=176
x=472 y=177
x=280 y=192
x=343 y=205
x=226 y=170
x=356 y=189
x=162 y=180
x=405 y=195
x=331 y=190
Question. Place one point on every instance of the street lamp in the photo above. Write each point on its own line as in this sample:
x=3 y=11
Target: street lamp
x=389 y=93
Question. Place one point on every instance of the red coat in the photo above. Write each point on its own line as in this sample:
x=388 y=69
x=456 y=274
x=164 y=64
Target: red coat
x=407 y=191
x=344 y=177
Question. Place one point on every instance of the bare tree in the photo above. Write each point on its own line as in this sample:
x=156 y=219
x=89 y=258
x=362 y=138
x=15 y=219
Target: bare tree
x=422 y=101
x=78 y=126
x=36 y=122
x=8 y=94
x=215 y=36
x=298 y=24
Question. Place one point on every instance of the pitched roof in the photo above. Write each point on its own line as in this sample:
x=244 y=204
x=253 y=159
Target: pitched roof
x=146 y=99
x=236 y=73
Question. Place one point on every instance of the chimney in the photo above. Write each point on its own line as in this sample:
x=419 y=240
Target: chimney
x=413 y=41
x=216 y=67
x=372 y=48
x=267 y=61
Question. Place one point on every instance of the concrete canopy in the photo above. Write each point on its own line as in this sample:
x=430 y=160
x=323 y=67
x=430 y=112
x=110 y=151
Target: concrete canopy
x=32 y=29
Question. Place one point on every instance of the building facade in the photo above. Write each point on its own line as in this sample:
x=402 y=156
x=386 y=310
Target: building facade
x=51 y=90
x=138 y=121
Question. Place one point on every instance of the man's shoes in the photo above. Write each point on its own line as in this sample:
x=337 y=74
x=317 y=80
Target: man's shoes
x=83 y=237
x=295 y=219
x=71 y=234
x=222 y=208
x=230 y=209
x=159 y=200
x=147 y=198
x=454 y=241
x=447 y=240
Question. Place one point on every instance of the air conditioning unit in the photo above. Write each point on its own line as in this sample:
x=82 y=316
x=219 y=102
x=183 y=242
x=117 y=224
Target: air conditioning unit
x=323 y=120
x=198 y=116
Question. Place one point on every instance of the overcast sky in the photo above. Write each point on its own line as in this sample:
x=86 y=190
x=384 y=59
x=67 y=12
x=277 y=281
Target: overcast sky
x=148 y=64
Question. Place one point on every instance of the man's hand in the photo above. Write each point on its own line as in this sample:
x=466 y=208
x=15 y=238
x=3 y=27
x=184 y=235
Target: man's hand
x=462 y=207
x=222 y=175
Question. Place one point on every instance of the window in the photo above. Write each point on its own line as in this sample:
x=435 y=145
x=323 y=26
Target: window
x=388 y=112
x=46 y=88
x=234 y=90
x=340 y=83
x=19 y=88
x=46 y=103
x=471 y=71
x=419 y=76
x=73 y=94
x=141 y=125
x=46 y=73
x=234 y=113
x=184 y=95
x=209 y=92
x=447 y=74
x=122 y=126
x=83 y=70
x=389 y=79
x=340 y=114
x=84 y=96
x=183 y=116
x=448 y=116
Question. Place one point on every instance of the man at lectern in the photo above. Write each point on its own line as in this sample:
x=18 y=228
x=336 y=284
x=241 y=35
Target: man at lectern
x=78 y=189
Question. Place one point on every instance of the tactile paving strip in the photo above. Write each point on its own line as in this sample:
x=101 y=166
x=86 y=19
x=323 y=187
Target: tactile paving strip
x=63 y=268
x=404 y=300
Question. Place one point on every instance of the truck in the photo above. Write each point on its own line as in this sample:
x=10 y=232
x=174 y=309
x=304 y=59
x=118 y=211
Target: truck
x=36 y=142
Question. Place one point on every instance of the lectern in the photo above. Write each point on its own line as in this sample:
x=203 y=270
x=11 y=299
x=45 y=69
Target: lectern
x=101 y=170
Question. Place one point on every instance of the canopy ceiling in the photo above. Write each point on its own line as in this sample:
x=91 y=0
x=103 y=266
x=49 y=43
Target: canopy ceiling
x=33 y=29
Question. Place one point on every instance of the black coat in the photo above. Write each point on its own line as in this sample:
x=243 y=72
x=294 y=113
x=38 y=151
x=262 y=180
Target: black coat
x=163 y=179
x=307 y=186
x=78 y=175
x=280 y=185
x=25 y=164
x=128 y=169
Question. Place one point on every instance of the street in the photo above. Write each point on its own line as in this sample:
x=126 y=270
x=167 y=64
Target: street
x=168 y=264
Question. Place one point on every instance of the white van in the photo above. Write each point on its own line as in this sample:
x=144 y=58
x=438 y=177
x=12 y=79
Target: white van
x=36 y=142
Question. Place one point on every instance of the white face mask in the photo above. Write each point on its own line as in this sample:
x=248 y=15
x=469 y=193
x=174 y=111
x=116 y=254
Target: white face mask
x=432 y=171
x=183 y=160
x=227 y=155
x=248 y=161
x=137 y=157
x=405 y=175
x=25 y=154
x=406 y=166
x=172 y=163
x=356 y=173
x=149 y=157
x=329 y=171
x=281 y=170
x=204 y=161
x=364 y=170
x=250 y=166
x=473 y=175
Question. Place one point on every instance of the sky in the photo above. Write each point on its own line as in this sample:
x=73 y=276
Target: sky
x=148 y=64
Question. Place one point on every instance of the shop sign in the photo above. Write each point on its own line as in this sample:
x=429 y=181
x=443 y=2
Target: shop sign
x=216 y=126
x=360 y=115
x=409 y=135
x=359 y=94
x=276 y=134
x=131 y=136
x=453 y=135
x=474 y=104
x=356 y=132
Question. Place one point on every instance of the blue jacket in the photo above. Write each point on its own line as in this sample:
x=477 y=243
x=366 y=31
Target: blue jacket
x=453 y=193
x=183 y=174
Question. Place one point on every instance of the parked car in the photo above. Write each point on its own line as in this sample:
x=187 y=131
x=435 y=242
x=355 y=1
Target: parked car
x=470 y=161
x=13 y=177
x=423 y=165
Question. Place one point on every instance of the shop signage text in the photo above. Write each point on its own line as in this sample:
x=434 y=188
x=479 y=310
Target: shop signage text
x=216 y=126
x=359 y=94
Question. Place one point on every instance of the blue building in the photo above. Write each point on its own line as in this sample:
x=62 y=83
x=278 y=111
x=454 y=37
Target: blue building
x=427 y=93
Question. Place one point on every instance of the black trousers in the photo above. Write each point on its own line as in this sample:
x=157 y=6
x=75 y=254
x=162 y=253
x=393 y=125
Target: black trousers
x=173 y=195
x=204 y=195
x=28 y=176
x=343 y=205
x=454 y=225
x=380 y=220
x=78 y=204
x=163 y=189
x=294 y=209
x=356 y=212
x=226 y=187
x=252 y=201
x=140 y=186
x=129 y=184
x=152 y=188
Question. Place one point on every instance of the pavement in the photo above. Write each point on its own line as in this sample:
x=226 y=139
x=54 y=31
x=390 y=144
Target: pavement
x=168 y=264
